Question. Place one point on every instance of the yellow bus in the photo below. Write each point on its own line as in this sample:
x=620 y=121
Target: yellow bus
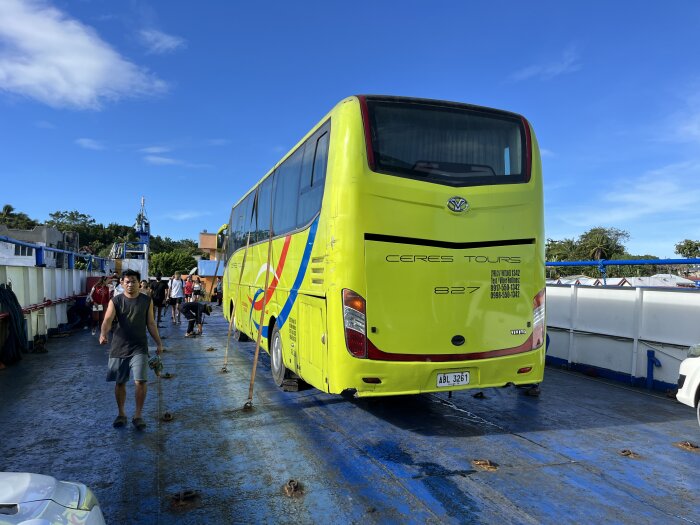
x=406 y=246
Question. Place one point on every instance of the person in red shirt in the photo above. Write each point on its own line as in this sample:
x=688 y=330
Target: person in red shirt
x=189 y=285
x=99 y=296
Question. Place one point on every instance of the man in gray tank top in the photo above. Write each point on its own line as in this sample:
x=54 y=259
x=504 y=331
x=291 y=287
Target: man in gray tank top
x=129 y=351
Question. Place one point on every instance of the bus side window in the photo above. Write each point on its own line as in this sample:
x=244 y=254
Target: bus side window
x=242 y=221
x=286 y=193
x=320 y=163
x=312 y=179
x=264 y=203
x=230 y=235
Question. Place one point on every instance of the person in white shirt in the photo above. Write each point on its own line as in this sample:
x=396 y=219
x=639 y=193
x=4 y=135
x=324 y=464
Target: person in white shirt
x=176 y=294
x=115 y=287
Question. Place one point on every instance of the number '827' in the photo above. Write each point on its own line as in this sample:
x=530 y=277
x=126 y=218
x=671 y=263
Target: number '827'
x=454 y=290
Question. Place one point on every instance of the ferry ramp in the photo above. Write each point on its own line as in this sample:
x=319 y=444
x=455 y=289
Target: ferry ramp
x=557 y=458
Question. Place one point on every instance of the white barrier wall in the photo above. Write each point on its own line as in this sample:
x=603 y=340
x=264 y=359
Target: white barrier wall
x=613 y=328
x=32 y=285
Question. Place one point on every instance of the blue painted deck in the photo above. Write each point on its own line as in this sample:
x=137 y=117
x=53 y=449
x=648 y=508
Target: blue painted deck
x=397 y=460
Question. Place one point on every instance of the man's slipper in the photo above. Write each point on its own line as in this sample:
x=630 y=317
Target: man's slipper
x=119 y=421
x=139 y=423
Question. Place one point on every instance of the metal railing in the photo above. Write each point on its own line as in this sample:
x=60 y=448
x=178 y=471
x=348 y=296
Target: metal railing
x=40 y=254
x=603 y=264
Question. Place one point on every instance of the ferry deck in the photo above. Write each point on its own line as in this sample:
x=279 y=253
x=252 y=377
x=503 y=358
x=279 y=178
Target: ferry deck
x=586 y=450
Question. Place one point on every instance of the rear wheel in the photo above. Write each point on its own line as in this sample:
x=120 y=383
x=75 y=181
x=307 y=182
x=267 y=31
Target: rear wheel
x=238 y=335
x=279 y=371
x=235 y=332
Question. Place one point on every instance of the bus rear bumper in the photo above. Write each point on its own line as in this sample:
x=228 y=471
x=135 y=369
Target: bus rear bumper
x=368 y=378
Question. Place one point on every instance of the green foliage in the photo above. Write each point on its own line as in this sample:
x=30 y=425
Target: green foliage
x=594 y=245
x=94 y=238
x=688 y=249
x=640 y=270
x=564 y=250
x=18 y=221
x=603 y=243
x=167 y=263
x=97 y=239
x=70 y=221
x=166 y=244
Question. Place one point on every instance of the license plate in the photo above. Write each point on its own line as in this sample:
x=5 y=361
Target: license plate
x=452 y=379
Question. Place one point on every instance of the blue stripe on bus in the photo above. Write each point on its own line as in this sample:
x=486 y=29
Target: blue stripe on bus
x=287 y=308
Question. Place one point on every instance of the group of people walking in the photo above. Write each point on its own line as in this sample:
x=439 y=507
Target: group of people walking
x=173 y=293
x=133 y=303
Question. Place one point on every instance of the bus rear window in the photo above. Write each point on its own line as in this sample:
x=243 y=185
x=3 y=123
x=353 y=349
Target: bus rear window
x=446 y=144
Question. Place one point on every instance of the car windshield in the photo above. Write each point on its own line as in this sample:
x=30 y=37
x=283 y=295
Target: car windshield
x=452 y=145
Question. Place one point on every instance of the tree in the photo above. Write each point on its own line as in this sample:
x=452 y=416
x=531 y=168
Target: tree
x=603 y=243
x=167 y=263
x=7 y=211
x=160 y=245
x=70 y=221
x=638 y=270
x=18 y=221
x=688 y=249
x=564 y=250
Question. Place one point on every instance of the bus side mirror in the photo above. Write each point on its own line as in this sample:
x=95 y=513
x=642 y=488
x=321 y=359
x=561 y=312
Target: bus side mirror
x=221 y=237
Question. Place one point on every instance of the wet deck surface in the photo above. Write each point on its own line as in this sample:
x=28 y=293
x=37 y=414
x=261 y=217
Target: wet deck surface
x=397 y=460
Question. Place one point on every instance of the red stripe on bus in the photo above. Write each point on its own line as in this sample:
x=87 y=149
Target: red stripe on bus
x=378 y=355
x=278 y=272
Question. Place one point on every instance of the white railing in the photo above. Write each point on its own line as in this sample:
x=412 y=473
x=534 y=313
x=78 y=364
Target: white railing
x=623 y=330
x=45 y=294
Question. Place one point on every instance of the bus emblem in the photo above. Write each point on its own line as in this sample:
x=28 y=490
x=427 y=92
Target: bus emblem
x=458 y=204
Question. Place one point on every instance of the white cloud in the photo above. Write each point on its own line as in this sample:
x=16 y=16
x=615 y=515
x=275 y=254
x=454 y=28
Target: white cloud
x=159 y=160
x=687 y=129
x=568 y=63
x=155 y=150
x=44 y=124
x=89 y=144
x=159 y=43
x=546 y=153
x=658 y=209
x=185 y=215
x=218 y=142
x=660 y=193
x=57 y=60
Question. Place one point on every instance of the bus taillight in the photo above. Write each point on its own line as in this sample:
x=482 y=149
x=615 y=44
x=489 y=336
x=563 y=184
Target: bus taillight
x=355 y=320
x=538 y=319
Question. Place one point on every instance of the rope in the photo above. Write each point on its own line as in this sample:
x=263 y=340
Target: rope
x=233 y=313
x=249 y=403
x=159 y=435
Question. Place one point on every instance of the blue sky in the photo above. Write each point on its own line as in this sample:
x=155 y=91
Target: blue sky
x=190 y=103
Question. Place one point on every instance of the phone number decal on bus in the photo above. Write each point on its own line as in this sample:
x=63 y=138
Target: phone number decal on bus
x=505 y=284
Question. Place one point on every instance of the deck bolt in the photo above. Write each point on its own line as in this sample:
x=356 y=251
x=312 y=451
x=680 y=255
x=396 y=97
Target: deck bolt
x=292 y=489
x=485 y=464
x=629 y=454
x=688 y=445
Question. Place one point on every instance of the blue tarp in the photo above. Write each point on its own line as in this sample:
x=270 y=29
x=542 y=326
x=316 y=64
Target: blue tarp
x=207 y=268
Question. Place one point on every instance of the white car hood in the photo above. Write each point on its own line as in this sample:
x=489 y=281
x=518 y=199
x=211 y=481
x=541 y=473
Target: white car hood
x=16 y=488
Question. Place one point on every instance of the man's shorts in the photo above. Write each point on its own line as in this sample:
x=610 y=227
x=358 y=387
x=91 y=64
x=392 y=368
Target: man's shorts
x=97 y=307
x=118 y=368
x=175 y=300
